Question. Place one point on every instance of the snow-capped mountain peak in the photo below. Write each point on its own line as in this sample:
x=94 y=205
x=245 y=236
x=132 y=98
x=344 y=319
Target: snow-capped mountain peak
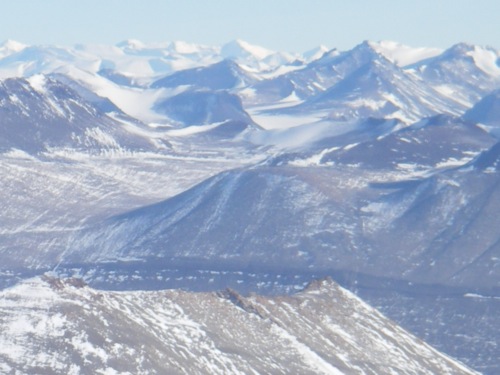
x=458 y=50
x=401 y=54
x=10 y=46
x=366 y=47
x=315 y=53
x=487 y=59
x=240 y=49
x=350 y=164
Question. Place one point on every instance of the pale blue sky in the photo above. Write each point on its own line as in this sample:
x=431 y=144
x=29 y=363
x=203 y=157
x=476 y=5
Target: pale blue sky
x=275 y=24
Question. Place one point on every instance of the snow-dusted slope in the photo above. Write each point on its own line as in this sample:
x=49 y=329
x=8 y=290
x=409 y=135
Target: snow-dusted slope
x=463 y=72
x=239 y=49
x=404 y=55
x=460 y=76
x=41 y=113
x=314 y=77
x=486 y=111
x=98 y=170
x=382 y=90
x=223 y=75
x=137 y=102
x=430 y=144
x=205 y=108
x=365 y=81
x=317 y=219
x=45 y=197
x=67 y=328
x=315 y=53
x=31 y=60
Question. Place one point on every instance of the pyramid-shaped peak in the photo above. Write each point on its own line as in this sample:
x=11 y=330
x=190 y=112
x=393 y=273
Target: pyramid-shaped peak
x=360 y=55
x=316 y=53
x=366 y=45
x=223 y=66
x=239 y=49
x=366 y=51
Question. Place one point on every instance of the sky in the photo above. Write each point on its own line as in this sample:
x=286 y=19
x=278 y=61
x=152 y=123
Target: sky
x=285 y=25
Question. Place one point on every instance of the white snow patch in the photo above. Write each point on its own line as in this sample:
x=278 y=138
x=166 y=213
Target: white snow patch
x=280 y=70
x=240 y=48
x=101 y=137
x=404 y=55
x=271 y=122
x=453 y=162
x=308 y=355
x=314 y=160
x=350 y=146
x=300 y=136
x=194 y=129
x=479 y=296
x=292 y=98
x=487 y=60
x=38 y=82
x=15 y=153
x=137 y=102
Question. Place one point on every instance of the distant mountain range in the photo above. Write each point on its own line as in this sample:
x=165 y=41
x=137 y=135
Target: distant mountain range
x=176 y=165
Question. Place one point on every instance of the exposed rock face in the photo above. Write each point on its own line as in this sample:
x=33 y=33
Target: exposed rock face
x=67 y=328
x=160 y=166
x=40 y=112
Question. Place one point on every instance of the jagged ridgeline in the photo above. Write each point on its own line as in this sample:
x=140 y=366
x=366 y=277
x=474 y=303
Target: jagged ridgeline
x=322 y=330
x=138 y=168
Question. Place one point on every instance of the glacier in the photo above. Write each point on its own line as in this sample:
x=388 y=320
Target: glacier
x=143 y=167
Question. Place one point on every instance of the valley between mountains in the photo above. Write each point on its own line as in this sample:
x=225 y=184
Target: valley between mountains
x=183 y=208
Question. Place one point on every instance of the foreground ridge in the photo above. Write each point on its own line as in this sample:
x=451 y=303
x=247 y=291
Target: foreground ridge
x=174 y=165
x=67 y=327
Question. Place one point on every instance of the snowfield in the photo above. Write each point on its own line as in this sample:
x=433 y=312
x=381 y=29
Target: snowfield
x=142 y=167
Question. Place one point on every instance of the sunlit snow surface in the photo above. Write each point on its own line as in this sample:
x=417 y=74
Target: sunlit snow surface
x=67 y=328
x=355 y=164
